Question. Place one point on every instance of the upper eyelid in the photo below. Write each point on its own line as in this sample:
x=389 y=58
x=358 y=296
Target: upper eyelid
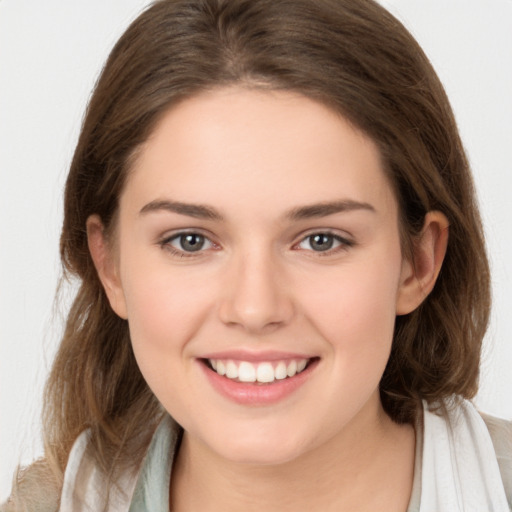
x=344 y=243
x=342 y=236
x=338 y=234
x=173 y=234
x=165 y=243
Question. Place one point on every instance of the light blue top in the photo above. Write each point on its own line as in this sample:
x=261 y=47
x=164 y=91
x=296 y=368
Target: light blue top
x=457 y=467
x=152 y=489
x=463 y=464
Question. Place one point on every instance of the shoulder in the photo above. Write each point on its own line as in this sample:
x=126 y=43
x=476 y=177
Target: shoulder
x=85 y=486
x=34 y=489
x=500 y=431
x=466 y=459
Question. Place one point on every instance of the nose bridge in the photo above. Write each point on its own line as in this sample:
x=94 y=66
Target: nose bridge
x=257 y=297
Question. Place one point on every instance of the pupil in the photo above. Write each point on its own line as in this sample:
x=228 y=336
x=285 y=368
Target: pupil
x=192 y=242
x=322 y=242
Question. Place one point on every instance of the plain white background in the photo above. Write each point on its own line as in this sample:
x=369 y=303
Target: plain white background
x=50 y=55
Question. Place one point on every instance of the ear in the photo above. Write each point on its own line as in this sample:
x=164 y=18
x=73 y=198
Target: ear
x=419 y=276
x=105 y=261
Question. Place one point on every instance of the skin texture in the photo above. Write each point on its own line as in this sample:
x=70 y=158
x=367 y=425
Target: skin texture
x=253 y=158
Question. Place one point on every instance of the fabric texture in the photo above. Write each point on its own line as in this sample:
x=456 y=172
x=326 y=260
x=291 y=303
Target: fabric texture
x=85 y=487
x=460 y=470
x=463 y=464
x=152 y=490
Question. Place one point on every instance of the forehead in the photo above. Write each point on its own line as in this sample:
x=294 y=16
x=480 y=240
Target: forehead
x=238 y=144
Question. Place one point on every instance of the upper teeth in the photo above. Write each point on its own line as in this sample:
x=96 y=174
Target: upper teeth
x=245 y=371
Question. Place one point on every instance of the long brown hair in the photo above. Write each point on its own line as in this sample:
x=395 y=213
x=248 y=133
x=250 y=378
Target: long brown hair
x=351 y=55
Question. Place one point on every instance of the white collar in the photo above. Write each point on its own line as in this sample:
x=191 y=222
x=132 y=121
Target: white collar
x=459 y=470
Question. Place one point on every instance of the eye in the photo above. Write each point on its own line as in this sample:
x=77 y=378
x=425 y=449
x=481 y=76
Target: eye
x=188 y=242
x=323 y=242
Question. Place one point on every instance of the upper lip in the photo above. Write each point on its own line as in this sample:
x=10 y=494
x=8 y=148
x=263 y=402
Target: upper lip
x=256 y=356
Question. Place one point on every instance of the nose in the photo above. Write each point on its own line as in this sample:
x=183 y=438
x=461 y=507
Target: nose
x=257 y=298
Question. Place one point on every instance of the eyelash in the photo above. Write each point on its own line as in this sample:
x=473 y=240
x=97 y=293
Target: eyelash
x=165 y=243
x=344 y=243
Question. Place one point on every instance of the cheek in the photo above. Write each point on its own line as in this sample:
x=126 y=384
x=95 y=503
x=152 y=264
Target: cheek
x=355 y=313
x=165 y=311
x=355 y=309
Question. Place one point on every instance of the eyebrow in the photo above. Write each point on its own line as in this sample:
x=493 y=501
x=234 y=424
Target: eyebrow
x=197 y=211
x=328 y=208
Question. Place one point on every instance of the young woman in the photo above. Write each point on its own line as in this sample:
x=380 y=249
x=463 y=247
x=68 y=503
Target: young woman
x=284 y=286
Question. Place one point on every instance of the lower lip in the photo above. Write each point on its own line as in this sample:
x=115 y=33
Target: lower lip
x=252 y=393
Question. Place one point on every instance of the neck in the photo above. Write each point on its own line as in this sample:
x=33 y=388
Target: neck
x=349 y=472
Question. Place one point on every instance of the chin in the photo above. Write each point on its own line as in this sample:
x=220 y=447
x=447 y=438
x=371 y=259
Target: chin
x=260 y=450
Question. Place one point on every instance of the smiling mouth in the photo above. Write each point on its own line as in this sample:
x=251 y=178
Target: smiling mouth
x=264 y=372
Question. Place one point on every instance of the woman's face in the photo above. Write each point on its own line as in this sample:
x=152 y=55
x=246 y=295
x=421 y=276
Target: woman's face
x=258 y=235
